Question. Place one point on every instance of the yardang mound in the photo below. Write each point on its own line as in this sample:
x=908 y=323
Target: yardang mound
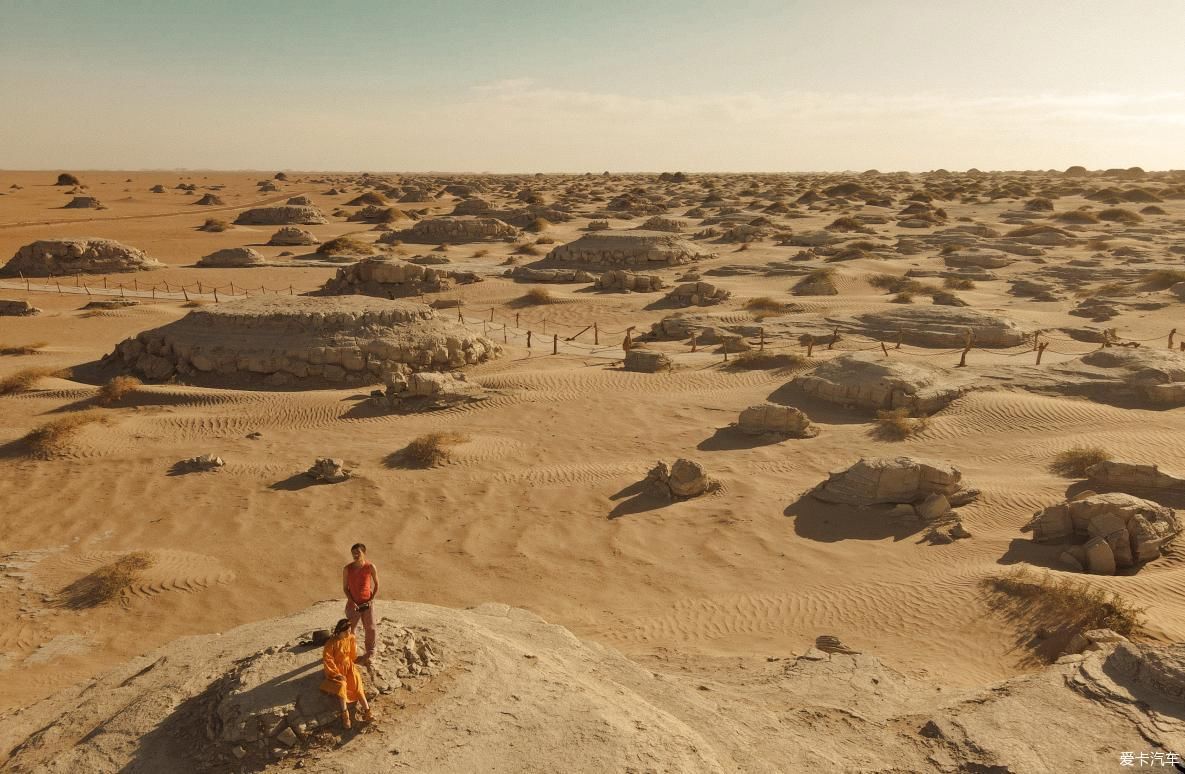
x=640 y=249
x=51 y=257
x=303 y=341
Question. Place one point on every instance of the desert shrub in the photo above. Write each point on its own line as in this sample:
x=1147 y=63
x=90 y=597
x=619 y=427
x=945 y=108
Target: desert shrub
x=845 y=223
x=744 y=246
x=117 y=388
x=1120 y=215
x=536 y=297
x=948 y=249
x=545 y=241
x=67 y=179
x=22 y=349
x=344 y=245
x=1073 y=606
x=214 y=225
x=1163 y=279
x=441 y=248
x=481 y=253
x=1081 y=217
x=904 y=297
x=894 y=284
x=958 y=283
x=53 y=438
x=1074 y=461
x=1039 y=204
x=538 y=225
x=897 y=425
x=1110 y=289
x=105 y=584
x=820 y=282
x=431 y=450
x=527 y=249
x=23 y=380
x=756 y=360
x=598 y=225
x=764 y=304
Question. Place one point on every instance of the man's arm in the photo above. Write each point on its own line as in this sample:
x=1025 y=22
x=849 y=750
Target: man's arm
x=374 y=581
x=346 y=584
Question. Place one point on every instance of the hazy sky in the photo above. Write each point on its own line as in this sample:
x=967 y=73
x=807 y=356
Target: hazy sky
x=519 y=85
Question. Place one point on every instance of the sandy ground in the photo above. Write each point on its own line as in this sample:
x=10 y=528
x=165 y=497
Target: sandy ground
x=529 y=512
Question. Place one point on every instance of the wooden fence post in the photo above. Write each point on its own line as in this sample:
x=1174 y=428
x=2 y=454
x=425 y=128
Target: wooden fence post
x=505 y=337
x=900 y=334
x=761 y=346
x=810 y=345
x=491 y=314
x=884 y=349
x=1172 y=333
x=1041 y=351
x=555 y=343
x=693 y=341
x=834 y=337
x=216 y=296
x=596 y=334
x=528 y=339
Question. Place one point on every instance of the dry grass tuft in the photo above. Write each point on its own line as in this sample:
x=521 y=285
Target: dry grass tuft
x=1120 y=215
x=765 y=304
x=1073 y=462
x=1110 y=289
x=845 y=223
x=958 y=283
x=117 y=388
x=431 y=450
x=24 y=380
x=1056 y=608
x=1163 y=279
x=481 y=253
x=53 y=438
x=106 y=584
x=193 y=304
x=345 y=245
x=527 y=249
x=538 y=225
x=897 y=425
x=820 y=282
x=23 y=349
x=755 y=360
x=904 y=297
x=214 y=225
x=535 y=297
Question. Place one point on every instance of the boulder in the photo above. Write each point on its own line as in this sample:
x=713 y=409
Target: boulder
x=696 y=294
x=202 y=462
x=232 y=257
x=871 y=382
x=53 y=257
x=1133 y=530
x=770 y=419
x=328 y=471
x=1125 y=476
x=889 y=480
x=939 y=326
x=646 y=361
x=291 y=236
x=526 y=274
x=682 y=480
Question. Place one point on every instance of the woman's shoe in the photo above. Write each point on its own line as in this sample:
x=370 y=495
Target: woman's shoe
x=346 y=719
x=369 y=716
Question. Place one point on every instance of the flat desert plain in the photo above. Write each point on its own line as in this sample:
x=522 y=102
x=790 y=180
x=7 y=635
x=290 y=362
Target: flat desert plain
x=887 y=317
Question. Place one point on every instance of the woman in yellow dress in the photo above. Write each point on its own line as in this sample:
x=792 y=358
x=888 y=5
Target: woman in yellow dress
x=343 y=679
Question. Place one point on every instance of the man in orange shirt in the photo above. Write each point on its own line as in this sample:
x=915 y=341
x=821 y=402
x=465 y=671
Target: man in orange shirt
x=360 y=582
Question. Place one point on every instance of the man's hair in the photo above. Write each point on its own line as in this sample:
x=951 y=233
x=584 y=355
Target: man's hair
x=358 y=545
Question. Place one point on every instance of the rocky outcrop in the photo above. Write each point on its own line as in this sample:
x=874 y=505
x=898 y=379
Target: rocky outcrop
x=281 y=215
x=770 y=419
x=302 y=341
x=696 y=294
x=326 y=470
x=682 y=480
x=621 y=281
x=458 y=230
x=660 y=223
x=232 y=257
x=939 y=326
x=564 y=276
x=1128 y=476
x=880 y=480
x=1112 y=531
x=393 y=278
x=869 y=381
x=83 y=203
x=53 y=257
x=632 y=249
x=291 y=236
x=17 y=308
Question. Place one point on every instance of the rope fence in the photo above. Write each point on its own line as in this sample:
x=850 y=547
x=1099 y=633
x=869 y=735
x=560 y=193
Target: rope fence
x=554 y=336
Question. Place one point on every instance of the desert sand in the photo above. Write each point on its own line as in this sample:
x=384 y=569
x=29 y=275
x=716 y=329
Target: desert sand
x=541 y=503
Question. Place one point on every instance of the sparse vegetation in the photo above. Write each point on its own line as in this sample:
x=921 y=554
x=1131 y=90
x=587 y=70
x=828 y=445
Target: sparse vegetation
x=527 y=249
x=958 y=283
x=214 y=225
x=431 y=450
x=538 y=225
x=1163 y=279
x=23 y=349
x=106 y=584
x=53 y=438
x=117 y=388
x=1110 y=289
x=1078 y=217
x=820 y=282
x=1059 y=607
x=481 y=253
x=765 y=305
x=536 y=297
x=545 y=240
x=757 y=360
x=1120 y=215
x=345 y=245
x=897 y=425
x=23 y=380
x=845 y=223
x=1074 y=461
x=904 y=297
